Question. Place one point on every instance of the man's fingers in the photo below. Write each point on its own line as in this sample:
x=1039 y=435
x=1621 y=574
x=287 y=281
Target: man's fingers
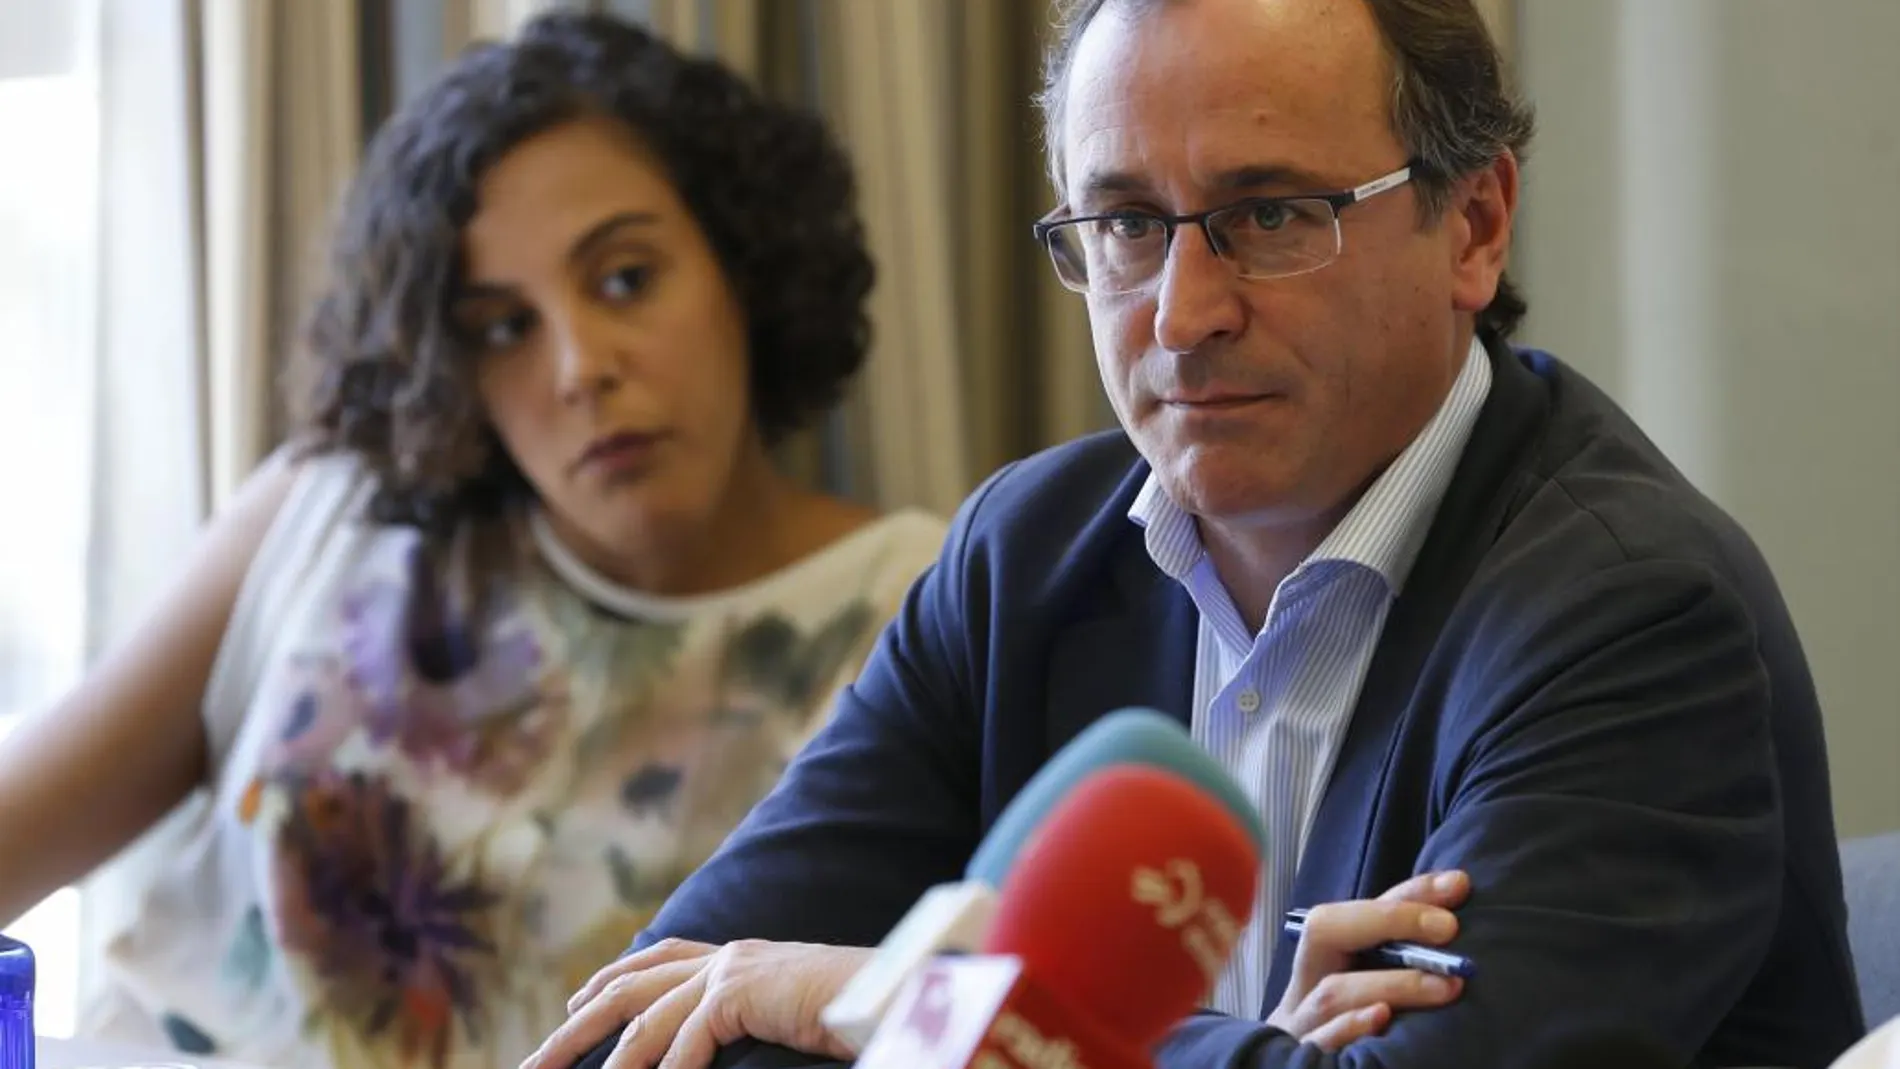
x=1331 y=1003
x=1397 y=989
x=1344 y=994
x=1337 y=931
x=697 y=1043
x=1341 y=1000
x=1446 y=889
x=660 y=953
x=650 y=1035
x=1350 y=927
x=618 y=1002
x=1335 y=1034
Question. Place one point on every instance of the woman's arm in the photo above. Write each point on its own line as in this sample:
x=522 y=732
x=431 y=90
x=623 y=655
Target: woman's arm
x=84 y=778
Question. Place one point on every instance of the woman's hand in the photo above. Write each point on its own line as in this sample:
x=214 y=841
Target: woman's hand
x=681 y=1001
x=1326 y=1004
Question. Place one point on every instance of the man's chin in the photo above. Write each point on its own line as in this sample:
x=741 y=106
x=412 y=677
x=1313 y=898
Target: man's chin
x=1227 y=483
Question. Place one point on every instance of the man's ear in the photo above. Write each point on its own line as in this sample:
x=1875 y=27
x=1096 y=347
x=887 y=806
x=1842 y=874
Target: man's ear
x=1484 y=204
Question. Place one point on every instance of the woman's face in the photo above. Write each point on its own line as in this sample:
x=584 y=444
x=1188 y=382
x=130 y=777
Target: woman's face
x=612 y=348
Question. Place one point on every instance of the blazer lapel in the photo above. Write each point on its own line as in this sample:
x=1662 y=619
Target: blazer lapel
x=1474 y=509
x=1137 y=650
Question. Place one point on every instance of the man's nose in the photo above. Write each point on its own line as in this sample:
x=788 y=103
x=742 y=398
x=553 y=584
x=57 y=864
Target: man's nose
x=1197 y=298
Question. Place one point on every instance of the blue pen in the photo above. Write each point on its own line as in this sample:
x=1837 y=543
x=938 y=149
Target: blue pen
x=1401 y=955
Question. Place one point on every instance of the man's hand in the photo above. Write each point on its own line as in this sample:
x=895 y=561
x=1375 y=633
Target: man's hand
x=681 y=1001
x=1329 y=1006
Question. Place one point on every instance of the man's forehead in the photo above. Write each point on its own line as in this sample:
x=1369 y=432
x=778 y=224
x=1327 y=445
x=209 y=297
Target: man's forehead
x=1233 y=148
x=1222 y=86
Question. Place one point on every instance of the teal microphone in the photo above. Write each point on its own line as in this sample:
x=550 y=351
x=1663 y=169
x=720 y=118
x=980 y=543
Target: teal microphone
x=1124 y=737
x=954 y=917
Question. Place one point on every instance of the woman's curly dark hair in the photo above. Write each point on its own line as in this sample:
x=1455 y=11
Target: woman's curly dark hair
x=382 y=373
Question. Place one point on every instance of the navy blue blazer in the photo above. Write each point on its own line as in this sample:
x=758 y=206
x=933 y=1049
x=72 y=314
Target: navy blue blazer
x=1589 y=696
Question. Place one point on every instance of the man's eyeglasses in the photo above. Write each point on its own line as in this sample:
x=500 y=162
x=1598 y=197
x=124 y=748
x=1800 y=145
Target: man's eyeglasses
x=1260 y=237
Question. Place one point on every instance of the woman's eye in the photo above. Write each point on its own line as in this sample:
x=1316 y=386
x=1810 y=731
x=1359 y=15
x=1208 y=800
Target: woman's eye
x=626 y=283
x=503 y=332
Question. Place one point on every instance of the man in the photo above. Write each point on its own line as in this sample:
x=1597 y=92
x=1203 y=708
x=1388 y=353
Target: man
x=1438 y=605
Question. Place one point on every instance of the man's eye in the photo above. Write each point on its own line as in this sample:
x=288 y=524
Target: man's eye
x=1130 y=227
x=1269 y=215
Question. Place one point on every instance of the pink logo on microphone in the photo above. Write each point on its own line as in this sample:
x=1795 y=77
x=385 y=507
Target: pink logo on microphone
x=929 y=1013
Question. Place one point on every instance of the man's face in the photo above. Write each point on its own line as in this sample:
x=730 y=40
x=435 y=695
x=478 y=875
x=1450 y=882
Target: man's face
x=1263 y=402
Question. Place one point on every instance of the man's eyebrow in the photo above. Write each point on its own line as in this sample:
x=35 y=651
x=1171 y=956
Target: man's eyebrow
x=1270 y=175
x=1241 y=179
x=1104 y=183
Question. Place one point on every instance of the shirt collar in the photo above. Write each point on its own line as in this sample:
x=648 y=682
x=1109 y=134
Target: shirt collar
x=1385 y=528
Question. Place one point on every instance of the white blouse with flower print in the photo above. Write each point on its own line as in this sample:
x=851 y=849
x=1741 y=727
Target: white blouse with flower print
x=431 y=822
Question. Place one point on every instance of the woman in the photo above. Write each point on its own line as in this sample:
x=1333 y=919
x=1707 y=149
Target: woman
x=527 y=620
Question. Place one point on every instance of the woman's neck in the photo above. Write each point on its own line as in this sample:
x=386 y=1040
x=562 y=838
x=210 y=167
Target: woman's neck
x=764 y=522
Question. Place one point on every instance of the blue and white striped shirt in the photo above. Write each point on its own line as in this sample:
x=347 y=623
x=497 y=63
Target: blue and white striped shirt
x=1273 y=707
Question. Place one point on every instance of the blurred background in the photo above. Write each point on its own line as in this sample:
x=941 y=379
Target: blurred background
x=1711 y=230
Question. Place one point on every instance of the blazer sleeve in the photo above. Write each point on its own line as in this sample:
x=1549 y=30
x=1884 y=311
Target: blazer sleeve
x=878 y=807
x=1617 y=808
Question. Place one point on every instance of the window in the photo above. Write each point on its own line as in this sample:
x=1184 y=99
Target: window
x=49 y=208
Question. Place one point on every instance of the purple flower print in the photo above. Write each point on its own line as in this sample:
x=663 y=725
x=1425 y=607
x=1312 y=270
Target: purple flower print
x=448 y=694
x=367 y=904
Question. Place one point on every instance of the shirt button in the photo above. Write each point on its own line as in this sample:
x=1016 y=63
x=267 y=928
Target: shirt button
x=1248 y=700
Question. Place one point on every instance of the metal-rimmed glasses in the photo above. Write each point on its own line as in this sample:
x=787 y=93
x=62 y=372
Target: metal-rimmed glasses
x=1260 y=237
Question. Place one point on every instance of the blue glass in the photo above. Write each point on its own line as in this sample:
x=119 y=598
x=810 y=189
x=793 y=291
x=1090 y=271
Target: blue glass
x=16 y=1005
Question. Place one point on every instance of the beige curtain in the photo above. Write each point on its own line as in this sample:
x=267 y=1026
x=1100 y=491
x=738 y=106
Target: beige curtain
x=890 y=97
x=464 y=21
x=281 y=128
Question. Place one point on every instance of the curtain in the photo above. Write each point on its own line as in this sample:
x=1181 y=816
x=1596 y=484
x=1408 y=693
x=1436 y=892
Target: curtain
x=281 y=121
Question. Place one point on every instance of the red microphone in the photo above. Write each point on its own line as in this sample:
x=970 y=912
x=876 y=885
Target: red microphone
x=1114 y=922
